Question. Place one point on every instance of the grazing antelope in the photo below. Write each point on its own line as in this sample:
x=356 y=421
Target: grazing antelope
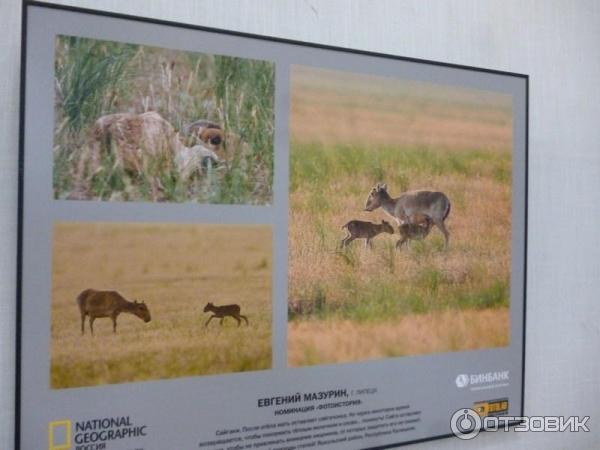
x=415 y=231
x=357 y=229
x=146 y=142
x=96 y=304
x=409 y=205
x=220 y=312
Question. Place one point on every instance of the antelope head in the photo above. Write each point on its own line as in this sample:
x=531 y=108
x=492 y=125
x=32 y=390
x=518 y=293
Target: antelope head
x=209 y=133
x=376 y=197
x=141 y=310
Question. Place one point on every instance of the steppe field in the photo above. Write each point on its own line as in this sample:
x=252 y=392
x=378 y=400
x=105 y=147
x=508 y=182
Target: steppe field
x=176 y=270
x=350 y=132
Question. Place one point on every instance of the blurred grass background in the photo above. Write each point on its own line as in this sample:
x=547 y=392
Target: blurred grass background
x=94 y=78
x=351 y=131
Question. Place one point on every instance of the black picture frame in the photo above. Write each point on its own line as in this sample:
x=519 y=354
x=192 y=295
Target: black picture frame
x=29 y=4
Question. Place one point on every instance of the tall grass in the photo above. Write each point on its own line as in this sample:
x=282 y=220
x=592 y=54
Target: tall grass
x=245 y=91
x=314 y=165
x=90 y=78
x=328 y=187
x=94 y=78
x=357 y=288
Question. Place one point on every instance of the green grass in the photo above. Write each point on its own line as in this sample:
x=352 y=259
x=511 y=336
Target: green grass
x=375 y=300
x=95 y=78
x=90 y=77
x=314 y=166
x=328 y=186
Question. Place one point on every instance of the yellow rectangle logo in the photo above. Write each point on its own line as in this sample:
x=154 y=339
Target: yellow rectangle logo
x=491 y=407
x=61 y=430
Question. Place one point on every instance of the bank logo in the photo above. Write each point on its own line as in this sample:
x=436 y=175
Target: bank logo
x=484 y=380
x=465 y=424
x=59 y=435
x=462 y=380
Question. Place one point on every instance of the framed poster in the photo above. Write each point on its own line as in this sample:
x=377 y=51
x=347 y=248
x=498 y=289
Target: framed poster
x=236 y=242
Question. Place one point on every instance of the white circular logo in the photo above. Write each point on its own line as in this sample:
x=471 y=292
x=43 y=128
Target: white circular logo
x=462 y=380
x=465 y=424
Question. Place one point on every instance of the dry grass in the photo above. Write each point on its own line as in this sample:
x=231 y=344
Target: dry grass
x=176 y=269
x=479 y=251
x=346 y=108
x=335 y=341
x=350 y=132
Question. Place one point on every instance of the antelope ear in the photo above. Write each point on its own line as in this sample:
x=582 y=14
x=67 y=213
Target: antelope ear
x=384 y=187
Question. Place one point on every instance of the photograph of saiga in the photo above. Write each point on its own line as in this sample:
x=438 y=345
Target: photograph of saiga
x=400 y=217
x=141 y=123
x=135 y=302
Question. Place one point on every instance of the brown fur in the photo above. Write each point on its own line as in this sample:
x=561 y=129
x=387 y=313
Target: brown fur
x=97 y=304
x=358 y=229
x=210 y=133
x=220 y=312
x=406 y=207
x=146 y=144
x=138 y=139
x=415 y=231
x=227 y=146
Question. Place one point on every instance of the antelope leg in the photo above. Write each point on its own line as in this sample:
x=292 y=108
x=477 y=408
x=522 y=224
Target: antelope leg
x=443 y=229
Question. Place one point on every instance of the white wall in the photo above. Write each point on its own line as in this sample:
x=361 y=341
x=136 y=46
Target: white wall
x=556 y=42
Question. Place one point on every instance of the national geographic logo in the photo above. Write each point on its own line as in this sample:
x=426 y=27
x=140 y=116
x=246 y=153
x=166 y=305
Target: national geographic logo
x=59 y=435
x=495 y=407
x=92 y=434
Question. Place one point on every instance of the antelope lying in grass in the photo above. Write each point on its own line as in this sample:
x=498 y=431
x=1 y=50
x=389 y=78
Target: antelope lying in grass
x=414 y=231
x=228 y=146
x=220 y=312
x=97 y=304
x=358 y=229
x=148 y=144
x=409 y=205
x=210 y=133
